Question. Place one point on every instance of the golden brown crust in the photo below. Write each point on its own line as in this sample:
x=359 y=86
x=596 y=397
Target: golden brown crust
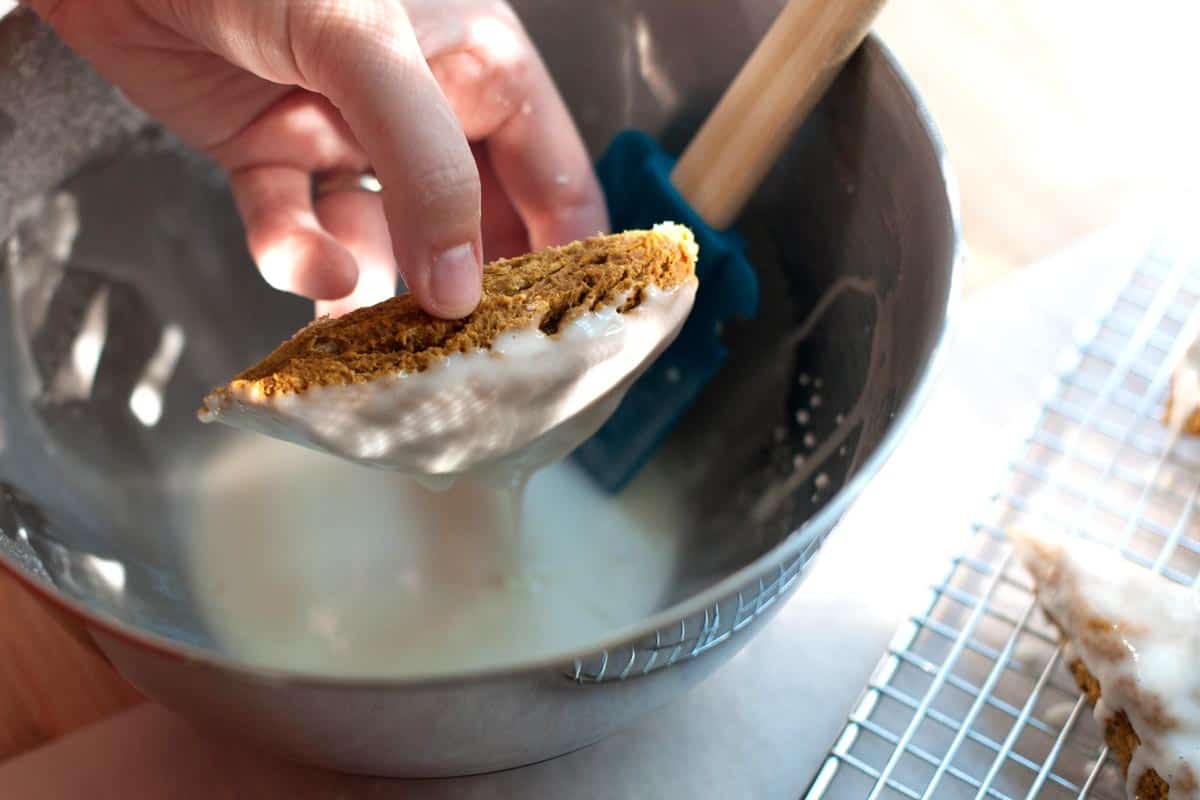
x=1120 y=736
x=546 y=289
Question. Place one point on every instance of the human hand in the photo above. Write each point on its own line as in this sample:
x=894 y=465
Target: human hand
x=446 y=100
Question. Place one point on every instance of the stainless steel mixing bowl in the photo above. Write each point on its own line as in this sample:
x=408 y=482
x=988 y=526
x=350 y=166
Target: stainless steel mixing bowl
x=126 y=292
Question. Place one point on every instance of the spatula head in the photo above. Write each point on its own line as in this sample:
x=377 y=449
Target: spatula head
x=636 y=175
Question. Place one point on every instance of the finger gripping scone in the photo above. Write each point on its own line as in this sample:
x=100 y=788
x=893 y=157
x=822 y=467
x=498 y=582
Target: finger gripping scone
x=1133 y=647
x=558 y=334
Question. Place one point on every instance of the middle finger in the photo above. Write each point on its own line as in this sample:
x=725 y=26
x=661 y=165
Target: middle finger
x=356 y=220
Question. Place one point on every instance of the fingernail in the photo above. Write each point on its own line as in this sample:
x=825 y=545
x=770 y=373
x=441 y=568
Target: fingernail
x=454 y=284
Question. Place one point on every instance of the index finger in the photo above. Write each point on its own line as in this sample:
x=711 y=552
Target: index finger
x=365 y=58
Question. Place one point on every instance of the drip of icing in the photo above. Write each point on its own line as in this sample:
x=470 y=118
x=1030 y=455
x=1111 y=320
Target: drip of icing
x=1139 y=635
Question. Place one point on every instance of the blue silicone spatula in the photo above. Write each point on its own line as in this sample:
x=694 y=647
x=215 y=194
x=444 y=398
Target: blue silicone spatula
x=706 y=189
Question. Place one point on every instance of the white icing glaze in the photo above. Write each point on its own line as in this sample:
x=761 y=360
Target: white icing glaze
x=303 y=561
x=498 y=413
x=1146 y=656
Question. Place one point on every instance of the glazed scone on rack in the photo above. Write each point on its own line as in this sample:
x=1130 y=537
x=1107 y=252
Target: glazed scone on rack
x=1182 y=411
x=1133 y=646
x=558 y=335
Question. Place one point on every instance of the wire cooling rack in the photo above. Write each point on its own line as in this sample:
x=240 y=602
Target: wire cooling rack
x=972 y=698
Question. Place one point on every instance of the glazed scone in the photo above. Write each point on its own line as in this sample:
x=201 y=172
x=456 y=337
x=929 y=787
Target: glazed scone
x=1183 y=397
x=559 y=334
x=1133 y=646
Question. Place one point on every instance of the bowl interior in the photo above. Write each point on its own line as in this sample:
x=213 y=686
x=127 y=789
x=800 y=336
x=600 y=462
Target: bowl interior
x=127 y=293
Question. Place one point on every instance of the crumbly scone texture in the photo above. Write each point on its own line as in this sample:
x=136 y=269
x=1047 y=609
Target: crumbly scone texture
x=1191 y=425
x=1099 y=635
x=546 y=289
x=1121 y=737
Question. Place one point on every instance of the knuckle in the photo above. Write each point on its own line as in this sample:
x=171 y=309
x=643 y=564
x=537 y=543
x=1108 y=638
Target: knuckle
x=481 y=53
x=452 y=187
x=568 y=200
x=572 y=197
x=500 y=44
x=317 y=42
x=326 y=38
x=558 y=207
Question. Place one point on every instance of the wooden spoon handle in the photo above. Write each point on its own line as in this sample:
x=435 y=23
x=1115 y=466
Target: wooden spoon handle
x=786 y=75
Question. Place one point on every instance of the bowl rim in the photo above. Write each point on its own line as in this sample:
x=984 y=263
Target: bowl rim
x=97 y=622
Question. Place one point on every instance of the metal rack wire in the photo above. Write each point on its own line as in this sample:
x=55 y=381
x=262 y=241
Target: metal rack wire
x=972 y=698
x=698 y=633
